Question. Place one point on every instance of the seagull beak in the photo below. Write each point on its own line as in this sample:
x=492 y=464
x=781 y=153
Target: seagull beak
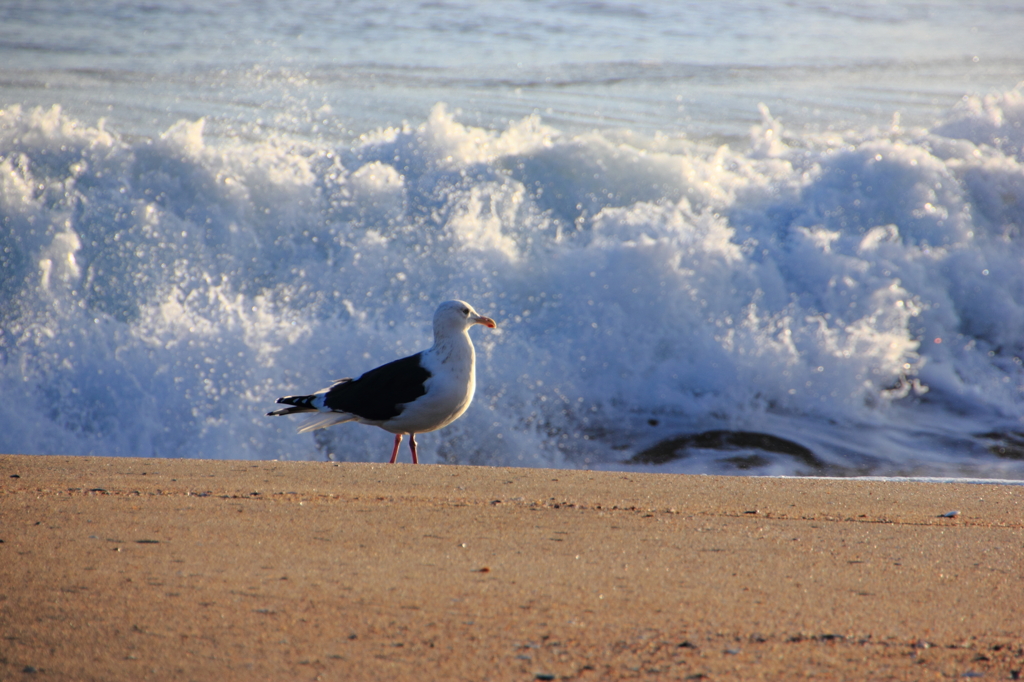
x=485 y=321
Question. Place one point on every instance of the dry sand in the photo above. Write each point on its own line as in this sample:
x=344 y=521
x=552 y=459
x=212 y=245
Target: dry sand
x=136 y=569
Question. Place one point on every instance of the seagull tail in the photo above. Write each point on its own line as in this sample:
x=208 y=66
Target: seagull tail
x=320 y=417
x=298 y=403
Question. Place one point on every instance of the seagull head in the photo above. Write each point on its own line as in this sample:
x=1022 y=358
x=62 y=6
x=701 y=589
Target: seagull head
x=458 y=316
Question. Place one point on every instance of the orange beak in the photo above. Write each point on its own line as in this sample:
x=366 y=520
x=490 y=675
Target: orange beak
x=485 y=321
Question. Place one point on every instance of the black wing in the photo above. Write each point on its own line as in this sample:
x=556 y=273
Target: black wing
x=380 y=393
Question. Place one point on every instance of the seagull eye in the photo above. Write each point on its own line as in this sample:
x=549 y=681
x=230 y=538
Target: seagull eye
x=465 y=311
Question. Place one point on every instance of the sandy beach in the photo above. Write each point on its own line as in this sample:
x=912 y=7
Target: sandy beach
x=139 y=569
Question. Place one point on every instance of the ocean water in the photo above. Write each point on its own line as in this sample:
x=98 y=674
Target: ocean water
x=736 y=237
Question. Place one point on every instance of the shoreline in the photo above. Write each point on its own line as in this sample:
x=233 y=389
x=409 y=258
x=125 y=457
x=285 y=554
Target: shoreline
x=128 y=569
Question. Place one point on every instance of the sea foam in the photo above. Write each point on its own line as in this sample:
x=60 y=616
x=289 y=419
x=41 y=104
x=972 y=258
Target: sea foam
x=843 y=303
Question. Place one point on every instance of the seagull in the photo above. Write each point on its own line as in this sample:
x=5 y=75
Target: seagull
x=423 y=392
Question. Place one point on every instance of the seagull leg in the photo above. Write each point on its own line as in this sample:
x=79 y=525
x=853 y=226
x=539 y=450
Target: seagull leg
x=394 y=453
x=412 y=446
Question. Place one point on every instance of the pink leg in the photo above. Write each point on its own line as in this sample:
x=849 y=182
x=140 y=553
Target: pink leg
x=412 y=446
x=394 y=453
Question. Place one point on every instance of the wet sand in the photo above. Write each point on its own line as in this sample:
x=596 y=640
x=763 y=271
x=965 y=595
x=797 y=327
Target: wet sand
x=136 y=569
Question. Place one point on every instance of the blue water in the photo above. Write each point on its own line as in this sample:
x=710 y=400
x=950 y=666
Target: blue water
x=739 y=237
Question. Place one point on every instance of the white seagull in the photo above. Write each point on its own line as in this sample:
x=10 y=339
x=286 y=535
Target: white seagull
x=420 y=393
